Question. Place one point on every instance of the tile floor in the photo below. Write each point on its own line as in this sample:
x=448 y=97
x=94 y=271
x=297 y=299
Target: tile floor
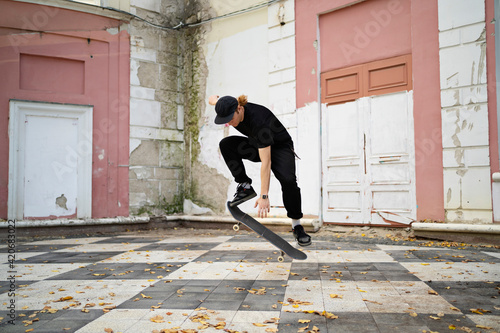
x=234 y=283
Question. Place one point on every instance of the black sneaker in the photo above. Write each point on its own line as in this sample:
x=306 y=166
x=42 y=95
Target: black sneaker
x=242 y=195
x=300 y=235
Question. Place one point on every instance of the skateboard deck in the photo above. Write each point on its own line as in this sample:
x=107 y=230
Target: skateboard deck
x=273 y=238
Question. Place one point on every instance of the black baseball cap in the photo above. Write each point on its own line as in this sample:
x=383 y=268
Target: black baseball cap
x=225 y=108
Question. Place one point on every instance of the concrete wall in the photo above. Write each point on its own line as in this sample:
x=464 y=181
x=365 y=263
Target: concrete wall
x=464 y=102
x=156 y=108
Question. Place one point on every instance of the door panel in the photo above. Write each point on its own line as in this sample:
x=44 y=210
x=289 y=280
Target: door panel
x=48 y=141
x=50 y=160
x=369 y=160
x=344 y=163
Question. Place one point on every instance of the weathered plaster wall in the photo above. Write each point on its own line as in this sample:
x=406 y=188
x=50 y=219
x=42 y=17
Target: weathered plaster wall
x=156 y=108
x=200 y=181
x=251 y=54
x=464 y=102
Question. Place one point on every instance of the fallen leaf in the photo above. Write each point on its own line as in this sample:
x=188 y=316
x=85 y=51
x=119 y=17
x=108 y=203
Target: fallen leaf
x=63 y=299
x=157 y=319
x=413 y=314
x=258 y=324
x=484 y=327
x=108 y=330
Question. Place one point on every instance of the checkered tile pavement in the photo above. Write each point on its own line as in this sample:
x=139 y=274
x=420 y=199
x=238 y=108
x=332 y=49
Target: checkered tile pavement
x=215 y=281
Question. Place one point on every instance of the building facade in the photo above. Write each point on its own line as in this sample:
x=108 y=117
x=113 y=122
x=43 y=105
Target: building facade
x=392 y=106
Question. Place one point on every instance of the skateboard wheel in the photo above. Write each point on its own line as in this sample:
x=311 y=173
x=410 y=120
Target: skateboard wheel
x=281 y=258
x=236 y=227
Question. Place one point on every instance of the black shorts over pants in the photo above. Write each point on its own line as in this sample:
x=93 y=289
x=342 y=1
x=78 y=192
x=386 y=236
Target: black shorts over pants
x=235 y=149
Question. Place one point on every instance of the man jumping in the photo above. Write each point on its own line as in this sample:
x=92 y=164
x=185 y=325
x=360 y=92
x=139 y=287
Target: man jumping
x=267 y=141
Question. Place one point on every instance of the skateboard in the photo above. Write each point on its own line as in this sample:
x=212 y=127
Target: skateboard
x=273 y=238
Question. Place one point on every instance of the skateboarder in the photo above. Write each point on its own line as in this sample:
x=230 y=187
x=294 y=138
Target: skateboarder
x=267 y=141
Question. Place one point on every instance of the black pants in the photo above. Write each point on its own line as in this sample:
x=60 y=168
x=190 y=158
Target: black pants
x=236 y=148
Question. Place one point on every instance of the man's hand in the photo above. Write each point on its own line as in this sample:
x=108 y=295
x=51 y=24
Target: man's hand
x=264 y=207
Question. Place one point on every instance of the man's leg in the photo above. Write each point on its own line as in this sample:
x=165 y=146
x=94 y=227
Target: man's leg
x=234 y=149
x=283 y=167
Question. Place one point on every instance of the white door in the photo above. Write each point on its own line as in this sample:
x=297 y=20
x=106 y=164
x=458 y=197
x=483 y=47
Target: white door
x=368 y=161
x=50 y=160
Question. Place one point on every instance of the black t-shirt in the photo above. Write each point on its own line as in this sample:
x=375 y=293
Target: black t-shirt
x=262 y=127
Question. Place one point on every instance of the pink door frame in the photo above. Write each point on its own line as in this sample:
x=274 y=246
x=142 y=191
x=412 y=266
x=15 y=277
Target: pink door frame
x=426 y=86
x=53 y=33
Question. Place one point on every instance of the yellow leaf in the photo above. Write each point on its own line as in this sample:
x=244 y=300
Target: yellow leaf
x=108 y=330
x=335 y=296
x=259 y=324
x=476 y=311
x=144 y=296
x=424 y=264
x=361 y=291
x=413 y=314
x=484 y=327
x=29 y=330
x=157 y=319
x=304 y=321
x=452 y=327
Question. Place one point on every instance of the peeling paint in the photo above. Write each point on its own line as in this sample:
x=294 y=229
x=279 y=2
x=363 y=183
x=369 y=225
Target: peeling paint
x=452 y=80
x=61 y=202
x=459 y=157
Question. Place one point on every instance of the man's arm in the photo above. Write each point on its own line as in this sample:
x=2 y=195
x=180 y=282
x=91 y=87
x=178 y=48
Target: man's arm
x=265 y=179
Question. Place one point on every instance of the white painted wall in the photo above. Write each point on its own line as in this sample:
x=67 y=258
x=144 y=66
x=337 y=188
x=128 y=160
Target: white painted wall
x=254 y=54
x=464 y=109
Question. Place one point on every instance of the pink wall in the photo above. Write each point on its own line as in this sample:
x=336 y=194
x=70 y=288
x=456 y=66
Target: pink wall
x=427 y=104
x=74 y=61
x=427 y=110
x=372 y=30
x=492 y=86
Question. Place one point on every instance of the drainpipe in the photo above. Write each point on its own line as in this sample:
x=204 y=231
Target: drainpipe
x=497 y=67
x=496 y=176
x=496 y=196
